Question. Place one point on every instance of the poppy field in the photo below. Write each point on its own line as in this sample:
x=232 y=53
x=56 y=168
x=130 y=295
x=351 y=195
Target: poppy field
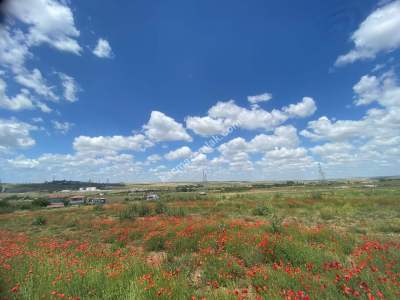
x=281 y=244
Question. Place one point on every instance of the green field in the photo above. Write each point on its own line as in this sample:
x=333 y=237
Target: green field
x=236 y=241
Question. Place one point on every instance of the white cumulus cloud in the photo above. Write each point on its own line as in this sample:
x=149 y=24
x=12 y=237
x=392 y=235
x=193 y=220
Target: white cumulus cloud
x=180 y=153
x=259 y=98
x=302 y=109
x=162 y=128
x=15 y=134
x=379 y=32
x=103 y=49
x=70 y=87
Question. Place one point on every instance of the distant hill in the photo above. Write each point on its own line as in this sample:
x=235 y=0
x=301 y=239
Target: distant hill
x=58 y=185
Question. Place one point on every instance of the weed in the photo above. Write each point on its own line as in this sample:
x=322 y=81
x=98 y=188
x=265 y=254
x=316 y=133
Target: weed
x=39 y=220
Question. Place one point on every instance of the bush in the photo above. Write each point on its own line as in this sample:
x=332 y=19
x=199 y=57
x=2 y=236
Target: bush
x=327 y=213
x=98 y=208
x=176 y=212
x=24 y=205
x=316 y=195
x=155 y=243
x=276 y=224
x=143 y=210
x=128 y=213
x=40 y=202
x=135 y=210
x=5 y=207
x=39 y=220
x=160 y=208
x=261 y=211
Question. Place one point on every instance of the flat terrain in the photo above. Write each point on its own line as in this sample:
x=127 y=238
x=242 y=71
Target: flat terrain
x=289 y=242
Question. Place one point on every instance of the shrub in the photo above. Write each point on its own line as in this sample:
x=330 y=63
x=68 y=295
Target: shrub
x=40 y=202
x=143 y=210
x=135 y=210
x=160 y=208
x=176 y=212
x=316 y=195
x=39 y=220
x=5 y=207
x=129 y=213
x=276 y=224
x=261 y=211
x=155 y=243
x=327 y=213
x=98 y=208
x=24 y=205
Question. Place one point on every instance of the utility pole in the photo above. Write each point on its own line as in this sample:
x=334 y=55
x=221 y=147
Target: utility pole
x=321 y=173
x=204 y=177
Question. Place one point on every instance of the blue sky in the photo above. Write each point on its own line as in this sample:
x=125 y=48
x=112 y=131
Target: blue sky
x=134 y=90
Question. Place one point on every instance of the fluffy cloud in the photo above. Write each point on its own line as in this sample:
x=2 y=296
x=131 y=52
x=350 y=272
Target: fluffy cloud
x=302 y=109
x=180 y=153
x=206 y=126
x=325 y=129
x=250 y=119
x=35 y=81
x=103 y=49
x=226 y=116
x=336 y=153
x=44 y=22
x=13 y=49
x=163 y=128
x=284 y=136
x=259 y=98
x=383 y=89
x=154 y=158
x=22 y=162
x=287 y=163
x=110 y=144
x=49 y=21
x=367 y=90
x=379 y=32
x=70 y=86
x=277 y=146
x=21 y=101
x=233 y=147
x=376 y=123
x=15 y=134
x=81 y=166
x=62 y=127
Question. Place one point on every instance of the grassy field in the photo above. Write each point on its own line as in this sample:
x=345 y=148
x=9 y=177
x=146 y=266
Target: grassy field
x=298 y=242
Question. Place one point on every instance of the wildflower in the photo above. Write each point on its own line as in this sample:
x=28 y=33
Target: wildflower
x=371 y=297
x=15 y=289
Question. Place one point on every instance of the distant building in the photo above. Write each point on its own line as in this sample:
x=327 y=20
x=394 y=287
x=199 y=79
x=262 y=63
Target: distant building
x=55 y=205
x=152 y=197
x=96 y=201
x=56 y=198
x=369 y=185
x=88 y=189
x=77 y=200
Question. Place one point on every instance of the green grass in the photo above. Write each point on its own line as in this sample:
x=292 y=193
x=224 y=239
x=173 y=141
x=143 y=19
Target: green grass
x=267 y=242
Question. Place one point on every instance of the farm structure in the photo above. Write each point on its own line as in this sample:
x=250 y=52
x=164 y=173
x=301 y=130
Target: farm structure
x=77 y=200
x=96 y=201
